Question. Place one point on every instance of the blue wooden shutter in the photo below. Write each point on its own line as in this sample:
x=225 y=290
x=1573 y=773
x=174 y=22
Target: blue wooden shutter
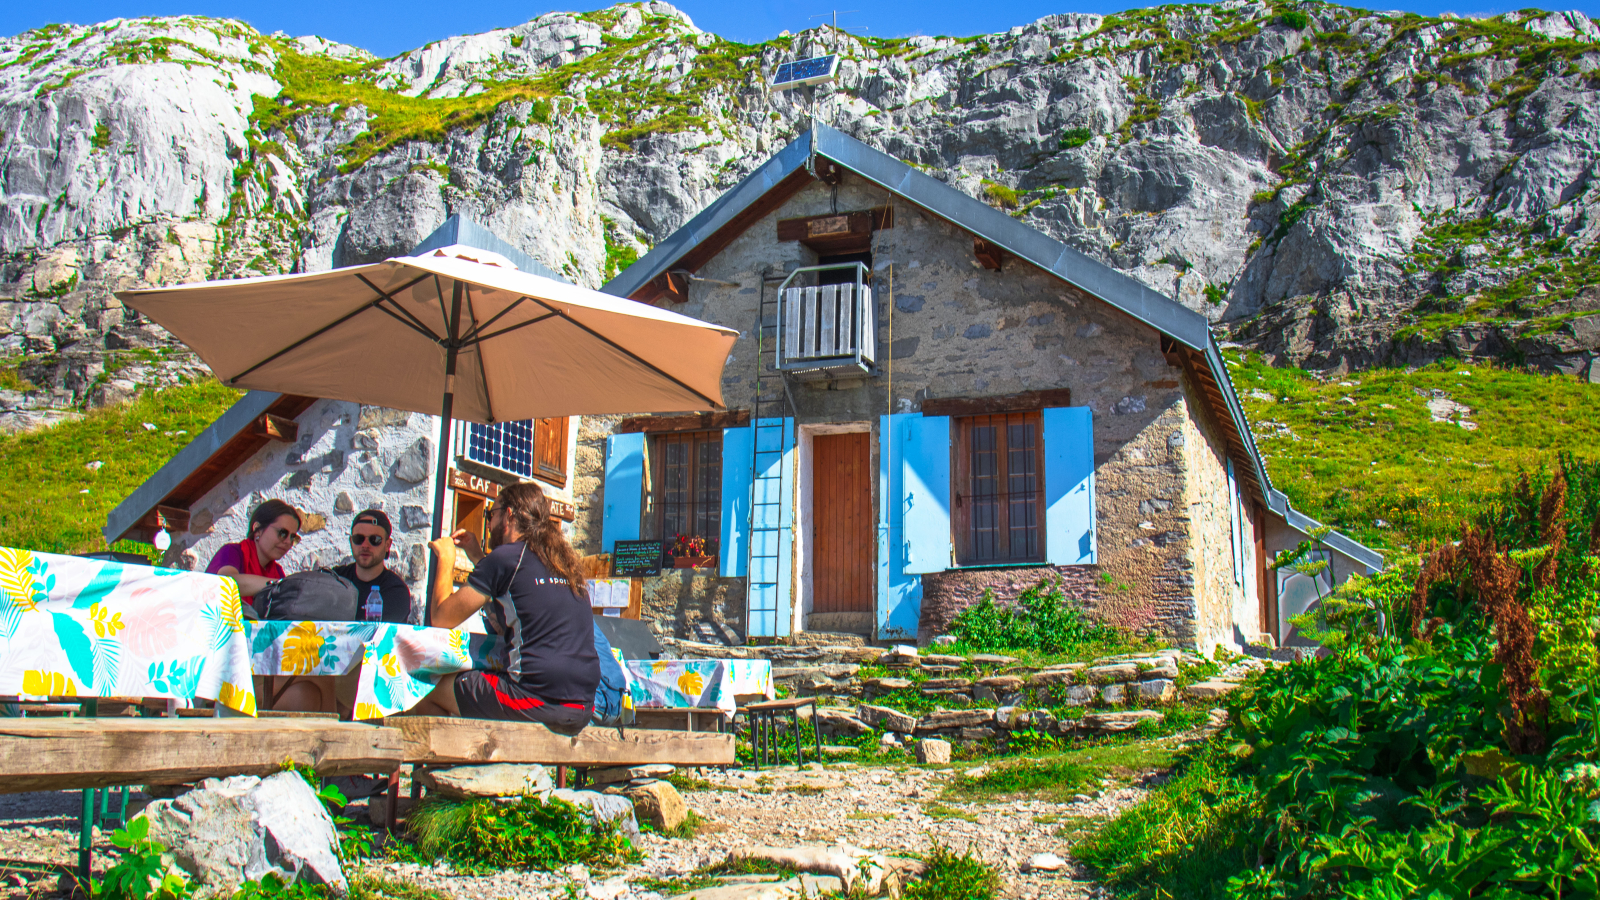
x=623 y=490
x=767 y=600
x=733 y=549
x=899 y=594
x=1069 y=537
x=925 y=494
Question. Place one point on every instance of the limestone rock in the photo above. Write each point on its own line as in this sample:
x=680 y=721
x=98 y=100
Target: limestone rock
x=941 y=659
x=230 y=830
x=602 y=808
x=1119 y=721
x=412 y=466
x=1114 y=672
x=890 y=719
x=1208 y=690
x=1046 y=862
x=954 y=718
x=991 y=659
x=1003 y=683
x=840 y=721
x=1158 y=690
x=946 y=684
x=889 y=684
x=615 y=774
x=497 y=780
x=659 y=804
x=933 y=752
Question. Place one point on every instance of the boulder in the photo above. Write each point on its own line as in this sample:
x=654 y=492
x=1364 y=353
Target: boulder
x=1119 y=721
x=933 y=752
x=602 y=808
x=230 y=830
x=616 y=774
x=498 y=780
x=889 y=719
x=1055 y=675
x=1003 y=683
x=1207 y=690
x=658 y=803
x=1167 y=669
x=1046 y=862
x=1114 y=693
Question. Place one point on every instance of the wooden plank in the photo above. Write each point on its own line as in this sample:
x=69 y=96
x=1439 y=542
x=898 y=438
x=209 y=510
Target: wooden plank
x=435 y=740
x=986 y=406
x=59 y=754
x=989 y=254
x=275 y=428
x=707 y=421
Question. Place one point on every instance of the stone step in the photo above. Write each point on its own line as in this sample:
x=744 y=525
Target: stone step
x=830 y=639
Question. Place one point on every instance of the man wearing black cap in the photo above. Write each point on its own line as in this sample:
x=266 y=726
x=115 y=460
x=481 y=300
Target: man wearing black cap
x=369 y=543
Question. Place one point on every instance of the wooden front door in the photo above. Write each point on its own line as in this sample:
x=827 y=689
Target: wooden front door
x=841 y=524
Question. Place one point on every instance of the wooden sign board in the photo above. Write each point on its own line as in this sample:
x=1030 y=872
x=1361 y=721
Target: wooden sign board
x=642 y=558
x=466 y=481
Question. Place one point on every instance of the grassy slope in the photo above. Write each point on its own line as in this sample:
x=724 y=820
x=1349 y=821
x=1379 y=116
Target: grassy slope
x=44 y=474
x=1364 y=450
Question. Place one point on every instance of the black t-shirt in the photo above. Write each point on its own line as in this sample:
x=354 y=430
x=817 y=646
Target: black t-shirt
x=396 y=596
x=549 y=629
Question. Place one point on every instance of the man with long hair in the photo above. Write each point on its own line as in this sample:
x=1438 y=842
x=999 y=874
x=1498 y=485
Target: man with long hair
x=531 y=586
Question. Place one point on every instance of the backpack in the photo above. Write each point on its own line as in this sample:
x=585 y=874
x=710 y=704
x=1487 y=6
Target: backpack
x=318 y=595
x=608 y=695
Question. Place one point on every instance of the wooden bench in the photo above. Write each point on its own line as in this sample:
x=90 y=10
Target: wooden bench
x=48 y=754
x=436 y=741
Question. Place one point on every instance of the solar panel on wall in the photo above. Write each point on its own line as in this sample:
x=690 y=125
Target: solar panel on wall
x=507 y=446
x=804 y=71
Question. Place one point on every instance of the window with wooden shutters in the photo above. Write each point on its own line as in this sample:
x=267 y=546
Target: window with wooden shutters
x=685 y=491
x=999 y=489
x=550 y=450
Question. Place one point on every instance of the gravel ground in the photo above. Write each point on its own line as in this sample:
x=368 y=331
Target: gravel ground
x=877 y=807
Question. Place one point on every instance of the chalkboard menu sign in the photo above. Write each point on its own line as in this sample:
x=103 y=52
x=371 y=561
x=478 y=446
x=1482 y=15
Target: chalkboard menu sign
x=636 y=558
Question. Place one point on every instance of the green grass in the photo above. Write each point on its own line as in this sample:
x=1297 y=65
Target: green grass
x=949 y=876
x=1379 y=458
x=1056 y=778
x=50 y=501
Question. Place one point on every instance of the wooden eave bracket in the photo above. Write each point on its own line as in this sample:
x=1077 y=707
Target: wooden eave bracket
x=172 y=519
x=275 y=428
x=989 y=254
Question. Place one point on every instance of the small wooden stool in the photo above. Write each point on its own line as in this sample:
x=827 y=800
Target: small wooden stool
x=764 y=728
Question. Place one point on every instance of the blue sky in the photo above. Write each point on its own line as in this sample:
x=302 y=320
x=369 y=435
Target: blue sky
x=394 y=27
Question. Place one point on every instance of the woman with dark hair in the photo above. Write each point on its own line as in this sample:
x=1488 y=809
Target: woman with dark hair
x=532 y=585
x=253 y=562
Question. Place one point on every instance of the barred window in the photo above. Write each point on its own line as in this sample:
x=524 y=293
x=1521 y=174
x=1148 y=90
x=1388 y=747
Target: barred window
x=686 y=486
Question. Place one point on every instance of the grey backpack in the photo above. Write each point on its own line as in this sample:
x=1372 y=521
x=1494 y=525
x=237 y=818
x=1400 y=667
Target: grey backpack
x=318 y=595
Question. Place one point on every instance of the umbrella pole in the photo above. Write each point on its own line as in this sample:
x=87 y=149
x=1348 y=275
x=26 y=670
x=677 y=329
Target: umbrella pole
x=442 y=468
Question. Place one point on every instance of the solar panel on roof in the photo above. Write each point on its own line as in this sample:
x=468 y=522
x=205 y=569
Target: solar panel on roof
x=805 y=71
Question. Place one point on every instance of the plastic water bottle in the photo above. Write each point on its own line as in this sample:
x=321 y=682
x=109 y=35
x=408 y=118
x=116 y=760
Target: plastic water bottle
x=373 y=609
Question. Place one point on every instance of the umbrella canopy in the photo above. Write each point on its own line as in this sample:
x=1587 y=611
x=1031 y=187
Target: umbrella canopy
x=520 y=346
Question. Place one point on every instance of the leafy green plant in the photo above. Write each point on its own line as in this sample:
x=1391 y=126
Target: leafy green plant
x=482 y=835
x=1042 y=618
x=1295 y=19
x=142 y=873
x=1074 y=138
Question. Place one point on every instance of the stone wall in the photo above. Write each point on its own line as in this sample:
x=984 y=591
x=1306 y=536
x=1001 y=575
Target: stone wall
x=957 y=330
x=348 y=458
x=1226 y=612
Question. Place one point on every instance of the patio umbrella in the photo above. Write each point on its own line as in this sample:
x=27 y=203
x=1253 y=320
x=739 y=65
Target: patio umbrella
x=458 y=331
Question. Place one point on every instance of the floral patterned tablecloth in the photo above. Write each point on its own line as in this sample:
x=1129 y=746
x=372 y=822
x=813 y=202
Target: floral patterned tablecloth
x=399 y=664
x=707 y=683
x=89 y=628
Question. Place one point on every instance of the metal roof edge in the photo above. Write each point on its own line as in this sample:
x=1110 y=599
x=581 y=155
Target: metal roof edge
x=1067 y=263
x=1279 y=503
x=458 y=229
x=205 y=444
x=721 y=211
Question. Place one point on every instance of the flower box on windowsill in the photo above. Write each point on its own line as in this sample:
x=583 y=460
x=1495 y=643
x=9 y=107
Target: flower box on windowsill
x=693 y=562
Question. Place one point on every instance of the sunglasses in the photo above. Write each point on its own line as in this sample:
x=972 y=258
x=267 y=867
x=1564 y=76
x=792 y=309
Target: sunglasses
x=285 y=535
x=375 y=540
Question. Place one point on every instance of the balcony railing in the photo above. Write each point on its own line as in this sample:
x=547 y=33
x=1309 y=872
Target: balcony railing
x=827 y=328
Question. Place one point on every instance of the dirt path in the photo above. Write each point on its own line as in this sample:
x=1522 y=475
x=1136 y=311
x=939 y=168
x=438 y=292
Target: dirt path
x=895 y=809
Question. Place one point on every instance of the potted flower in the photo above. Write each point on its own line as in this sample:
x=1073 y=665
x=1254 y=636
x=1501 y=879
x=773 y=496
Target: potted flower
x=693 y=552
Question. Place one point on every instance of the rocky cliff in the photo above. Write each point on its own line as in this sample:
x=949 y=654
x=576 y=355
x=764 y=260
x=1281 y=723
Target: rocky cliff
x=1337 y=188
